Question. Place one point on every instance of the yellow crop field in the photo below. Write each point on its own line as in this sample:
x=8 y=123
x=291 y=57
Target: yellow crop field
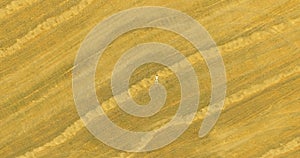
x=259 y=41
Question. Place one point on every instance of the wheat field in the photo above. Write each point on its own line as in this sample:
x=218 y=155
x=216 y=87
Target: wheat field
x=258 y=40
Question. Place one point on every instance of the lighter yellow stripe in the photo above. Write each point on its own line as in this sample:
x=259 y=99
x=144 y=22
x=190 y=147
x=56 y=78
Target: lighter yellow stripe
x=291 y=145
x=46 y=25
x=75 y=10
x=15 y=6
x=71 y=131
x=66 y=135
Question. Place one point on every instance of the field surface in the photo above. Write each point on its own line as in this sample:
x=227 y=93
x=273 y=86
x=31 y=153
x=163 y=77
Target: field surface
x=258 y=40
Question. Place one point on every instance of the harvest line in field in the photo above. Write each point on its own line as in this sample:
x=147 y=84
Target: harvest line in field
x=46 y=25
x=108 y=105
